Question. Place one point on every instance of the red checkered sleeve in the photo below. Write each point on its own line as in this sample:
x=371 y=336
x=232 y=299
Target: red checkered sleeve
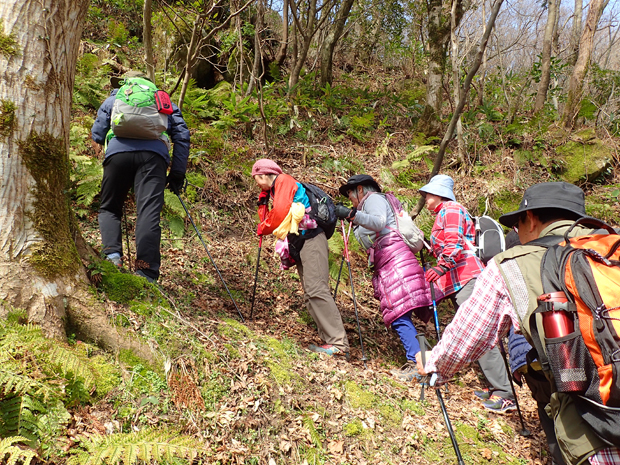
x=609 y=456
x=477 y=326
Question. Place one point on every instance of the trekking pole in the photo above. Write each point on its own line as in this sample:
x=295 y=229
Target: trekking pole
x=260 y=246
x=446 y=420
x=339 y=273
x=435 y=315
x=346 y=256
x=423 y=347
x=524 y=431
x=210 y=257
x=127 y=237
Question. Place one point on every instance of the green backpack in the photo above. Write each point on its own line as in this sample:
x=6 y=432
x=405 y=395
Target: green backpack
x=135 y=113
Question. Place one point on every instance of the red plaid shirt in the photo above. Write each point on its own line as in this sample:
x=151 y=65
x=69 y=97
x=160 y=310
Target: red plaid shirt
x=476 y=328
x=452 y=239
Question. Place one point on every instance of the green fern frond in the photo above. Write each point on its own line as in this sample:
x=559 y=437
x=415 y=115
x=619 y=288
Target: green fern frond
x=12 y=383
x=72 y=365
x=15 y=454
x=19 y=417
x=53 y=423
x=144 y=446
x=17 y=336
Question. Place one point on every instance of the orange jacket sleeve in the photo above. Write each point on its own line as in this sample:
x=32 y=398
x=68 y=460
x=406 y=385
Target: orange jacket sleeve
x=284 y=190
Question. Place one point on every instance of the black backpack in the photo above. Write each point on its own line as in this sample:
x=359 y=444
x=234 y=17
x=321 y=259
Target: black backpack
x=489 y=238
x=323 y=209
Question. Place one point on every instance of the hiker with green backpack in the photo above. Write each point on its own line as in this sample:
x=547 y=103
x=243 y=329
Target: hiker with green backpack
x=560 y=290
x=137 y=124
x=398 y=279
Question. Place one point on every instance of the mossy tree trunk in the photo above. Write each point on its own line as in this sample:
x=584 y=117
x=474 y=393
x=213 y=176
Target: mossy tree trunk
x=40 y=266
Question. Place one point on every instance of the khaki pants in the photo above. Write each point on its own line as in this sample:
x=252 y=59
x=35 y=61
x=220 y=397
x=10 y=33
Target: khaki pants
x=313 y=271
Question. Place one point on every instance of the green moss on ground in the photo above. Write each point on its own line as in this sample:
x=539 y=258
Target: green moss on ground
x=358 y=397
x=235 y=331
x=123 y=287
x=47 y=161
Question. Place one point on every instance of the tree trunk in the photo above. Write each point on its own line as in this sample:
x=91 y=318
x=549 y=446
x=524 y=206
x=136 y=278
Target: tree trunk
x=545 y=70
x=586 y=44
x=257 y=68
x=40 y=267
x=281 y=56
x=575 y=33
x=438 y=39
x=462 y=98
x=456 y=77
x=327 y=50
x=147 y=38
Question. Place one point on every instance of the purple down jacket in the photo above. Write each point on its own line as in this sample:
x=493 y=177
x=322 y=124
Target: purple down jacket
x=398 y=280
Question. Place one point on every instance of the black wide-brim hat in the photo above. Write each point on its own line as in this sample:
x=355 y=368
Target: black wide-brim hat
x=358 y=180
x=557 y=195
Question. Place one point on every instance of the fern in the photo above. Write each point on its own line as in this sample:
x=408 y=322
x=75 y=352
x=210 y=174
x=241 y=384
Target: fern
x=19 y=418
x=72 y=365
x=17 y=384
x=15 y=453
x=145 y=446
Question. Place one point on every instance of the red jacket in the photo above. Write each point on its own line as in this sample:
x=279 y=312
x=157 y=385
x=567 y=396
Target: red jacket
x=283 y=191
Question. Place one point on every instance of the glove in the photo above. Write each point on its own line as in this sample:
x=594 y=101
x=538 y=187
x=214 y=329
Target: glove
x=263 y=198
x=262 y=212
x=175 y=181
x=345 y=213
x=434 y=273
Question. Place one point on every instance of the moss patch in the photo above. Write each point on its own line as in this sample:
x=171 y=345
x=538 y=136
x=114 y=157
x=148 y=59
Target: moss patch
x=584 y=159
x=353 y=428
x=234 y=330
x=7 y=117
x=123 y=287
x=359 y=397
x=46 y=159
x=8 y=44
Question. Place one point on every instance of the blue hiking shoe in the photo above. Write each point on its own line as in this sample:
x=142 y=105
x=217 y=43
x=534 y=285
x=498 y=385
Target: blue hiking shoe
x=116 y=259
x=328 y=349
x=143 y=275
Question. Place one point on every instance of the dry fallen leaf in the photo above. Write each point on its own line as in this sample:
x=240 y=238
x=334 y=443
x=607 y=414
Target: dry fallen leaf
x=487 y=453
x=336 y=447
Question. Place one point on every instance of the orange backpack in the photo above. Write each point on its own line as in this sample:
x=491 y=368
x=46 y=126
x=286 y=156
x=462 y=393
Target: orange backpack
x=581 y=284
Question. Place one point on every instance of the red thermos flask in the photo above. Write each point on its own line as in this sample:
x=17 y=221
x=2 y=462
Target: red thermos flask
x=557 y=323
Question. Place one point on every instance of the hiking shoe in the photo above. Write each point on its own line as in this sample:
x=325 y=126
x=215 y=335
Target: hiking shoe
x=484 y=394
x=407 y=373
x=328 y=349
x=115 y=258
x=499 y=405
x=143 y=275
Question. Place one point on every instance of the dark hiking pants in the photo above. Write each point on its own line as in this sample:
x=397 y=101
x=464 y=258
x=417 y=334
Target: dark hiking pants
x=146 y=172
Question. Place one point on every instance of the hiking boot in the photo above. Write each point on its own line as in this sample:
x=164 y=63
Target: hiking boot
x=328 y=349
x=407 y=373
x=116 y=259
x=499 y=405
x=143 y=275
x=484 y=394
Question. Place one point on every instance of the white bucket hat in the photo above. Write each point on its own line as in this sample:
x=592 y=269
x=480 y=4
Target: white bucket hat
x=440 y=185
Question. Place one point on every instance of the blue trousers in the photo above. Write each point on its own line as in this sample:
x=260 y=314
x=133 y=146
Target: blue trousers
x=407 y=333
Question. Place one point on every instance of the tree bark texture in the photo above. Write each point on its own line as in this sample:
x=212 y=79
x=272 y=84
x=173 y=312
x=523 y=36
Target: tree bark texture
x=327 y=50
x=575 y=33
x=147 y=38
x=586 y=44
x=553 y=7
x=439 y=25
x=40 y=267
x=281 y=56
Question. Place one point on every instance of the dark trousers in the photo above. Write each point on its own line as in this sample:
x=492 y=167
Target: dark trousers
x=146 y=172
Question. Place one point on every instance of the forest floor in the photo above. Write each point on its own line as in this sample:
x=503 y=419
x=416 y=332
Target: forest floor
x=253 y=393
